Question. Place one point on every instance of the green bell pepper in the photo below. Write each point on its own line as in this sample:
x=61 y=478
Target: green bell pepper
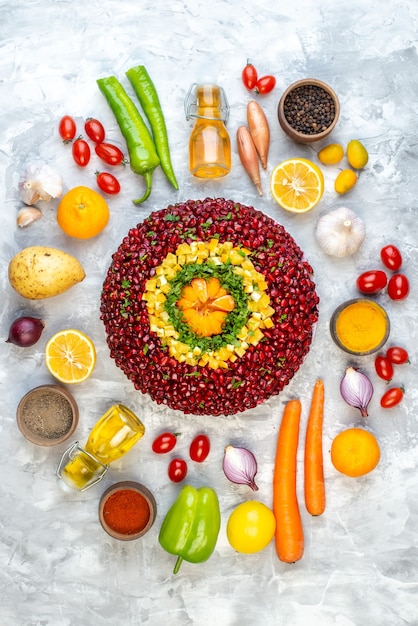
x=191 y=527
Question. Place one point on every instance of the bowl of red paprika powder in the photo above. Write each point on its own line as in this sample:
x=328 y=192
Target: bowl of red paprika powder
x=127 y=510
x=308 y=110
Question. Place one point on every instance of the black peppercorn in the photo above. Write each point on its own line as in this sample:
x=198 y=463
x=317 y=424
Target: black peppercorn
x=309 y=109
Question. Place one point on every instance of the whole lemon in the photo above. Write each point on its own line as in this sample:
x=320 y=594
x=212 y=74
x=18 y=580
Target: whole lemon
x=251 y=527
x=82 y=213
x=357 y=154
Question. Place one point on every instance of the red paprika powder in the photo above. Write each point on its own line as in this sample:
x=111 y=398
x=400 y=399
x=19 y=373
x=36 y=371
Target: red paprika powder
x=126 y=512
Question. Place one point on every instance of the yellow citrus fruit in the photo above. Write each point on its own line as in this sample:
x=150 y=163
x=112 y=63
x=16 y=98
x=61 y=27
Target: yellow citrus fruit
x=251 y=527
x=70 y=356
x=355 y=452
x=331 y=154
x=345 y=181
x=82 y=213
x=357 y=155
x=297 y=185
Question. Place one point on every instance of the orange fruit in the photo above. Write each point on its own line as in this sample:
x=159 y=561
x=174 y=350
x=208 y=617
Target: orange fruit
x=70 y=356
x=345 y=181
x=205 y=305
x=297 y=185
x=355 y=452
x=82 y=213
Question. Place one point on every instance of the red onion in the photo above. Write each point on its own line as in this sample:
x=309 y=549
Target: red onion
x=25 y=331
x=240 y=466
x=356 y=389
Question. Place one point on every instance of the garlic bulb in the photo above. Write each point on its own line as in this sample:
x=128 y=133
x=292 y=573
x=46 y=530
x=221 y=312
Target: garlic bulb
x=39 y=182
x=340 y=232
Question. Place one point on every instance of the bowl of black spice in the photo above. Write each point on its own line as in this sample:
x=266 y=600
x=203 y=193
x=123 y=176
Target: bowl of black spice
x=308 y=110
x=47 y=415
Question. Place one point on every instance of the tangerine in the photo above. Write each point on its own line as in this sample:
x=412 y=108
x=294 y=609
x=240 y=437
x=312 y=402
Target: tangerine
x=355 y=452
x=82 y=213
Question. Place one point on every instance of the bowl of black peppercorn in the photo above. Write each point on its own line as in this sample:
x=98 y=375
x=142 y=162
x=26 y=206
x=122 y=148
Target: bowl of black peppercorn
x=308 y=110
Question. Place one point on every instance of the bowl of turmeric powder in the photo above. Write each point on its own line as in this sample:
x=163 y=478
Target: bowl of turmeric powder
x=360 y=326
x=127 y=510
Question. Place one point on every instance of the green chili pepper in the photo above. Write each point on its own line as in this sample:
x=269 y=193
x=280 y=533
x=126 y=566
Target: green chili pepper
x=148 y=97
x=143 y=158
x=191 y=527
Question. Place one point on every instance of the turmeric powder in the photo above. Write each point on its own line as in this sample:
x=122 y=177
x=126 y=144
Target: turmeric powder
x=362 y=326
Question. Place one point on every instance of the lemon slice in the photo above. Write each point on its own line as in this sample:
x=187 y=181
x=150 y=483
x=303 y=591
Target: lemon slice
x=297 y=185
x=70 y=356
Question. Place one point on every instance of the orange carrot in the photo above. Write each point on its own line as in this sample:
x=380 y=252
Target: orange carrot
x=289 y=530
x=313 y=463
x=259 y=130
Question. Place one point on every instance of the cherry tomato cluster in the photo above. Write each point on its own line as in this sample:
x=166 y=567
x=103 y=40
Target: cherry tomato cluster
x=177 y=468
x=262 y=85
x=384 y=365
x=81 y=152
x=373 y=281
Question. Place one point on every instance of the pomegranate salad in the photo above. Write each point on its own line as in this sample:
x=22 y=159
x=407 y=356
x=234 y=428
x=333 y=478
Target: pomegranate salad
x=209 y=307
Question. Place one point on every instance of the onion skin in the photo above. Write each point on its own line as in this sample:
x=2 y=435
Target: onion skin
x=248 y=156
x=240 y=466
x=356 y=389
x=25 y=331
x=259 y=130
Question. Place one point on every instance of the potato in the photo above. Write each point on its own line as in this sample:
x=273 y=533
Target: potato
x=40 y=272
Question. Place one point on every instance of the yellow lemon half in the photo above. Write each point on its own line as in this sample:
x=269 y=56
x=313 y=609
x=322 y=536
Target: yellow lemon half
x=70 y=356
x=297 y=185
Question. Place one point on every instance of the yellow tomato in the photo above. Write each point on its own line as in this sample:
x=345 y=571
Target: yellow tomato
x=251 y=527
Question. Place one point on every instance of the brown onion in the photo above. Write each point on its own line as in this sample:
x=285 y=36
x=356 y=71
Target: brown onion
x=25 y=331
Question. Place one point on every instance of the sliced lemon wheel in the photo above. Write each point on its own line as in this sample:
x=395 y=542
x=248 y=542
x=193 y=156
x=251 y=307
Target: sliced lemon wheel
x=297 y=185
x=70 y=356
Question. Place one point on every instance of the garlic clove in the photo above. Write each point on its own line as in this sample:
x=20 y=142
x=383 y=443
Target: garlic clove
x=340 y=232
x=39 y=182
x=27 y=215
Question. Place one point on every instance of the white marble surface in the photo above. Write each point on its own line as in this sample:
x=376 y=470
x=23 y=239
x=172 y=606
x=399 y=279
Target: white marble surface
x=57 y=566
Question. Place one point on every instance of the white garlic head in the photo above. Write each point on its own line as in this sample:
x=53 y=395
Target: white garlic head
x=39 y=182
x=340 y=232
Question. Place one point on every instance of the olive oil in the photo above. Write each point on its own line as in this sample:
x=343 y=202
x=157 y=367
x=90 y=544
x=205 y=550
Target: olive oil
x=210 y=144
x=116 y=432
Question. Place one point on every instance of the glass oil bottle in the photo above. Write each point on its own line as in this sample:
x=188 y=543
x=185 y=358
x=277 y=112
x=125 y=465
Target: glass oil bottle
x=209 y=144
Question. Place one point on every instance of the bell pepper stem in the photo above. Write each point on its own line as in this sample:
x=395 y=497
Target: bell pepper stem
x=177 y=565
x=148 y=182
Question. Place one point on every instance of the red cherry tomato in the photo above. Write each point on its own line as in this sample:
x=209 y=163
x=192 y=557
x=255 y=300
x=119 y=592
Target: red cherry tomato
x=249 y=76
x=391 y=257
x=384 y=367
x=164 y=443
x=108 y=183
x=392 y=397
x=110 y=154
x=265 y=84
x=372 y=281
x=398 y=287
x=177 y=470
x=81 y=152
x=67 y=128
x=397 y=355
x=199 y=448
x=94 y=130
